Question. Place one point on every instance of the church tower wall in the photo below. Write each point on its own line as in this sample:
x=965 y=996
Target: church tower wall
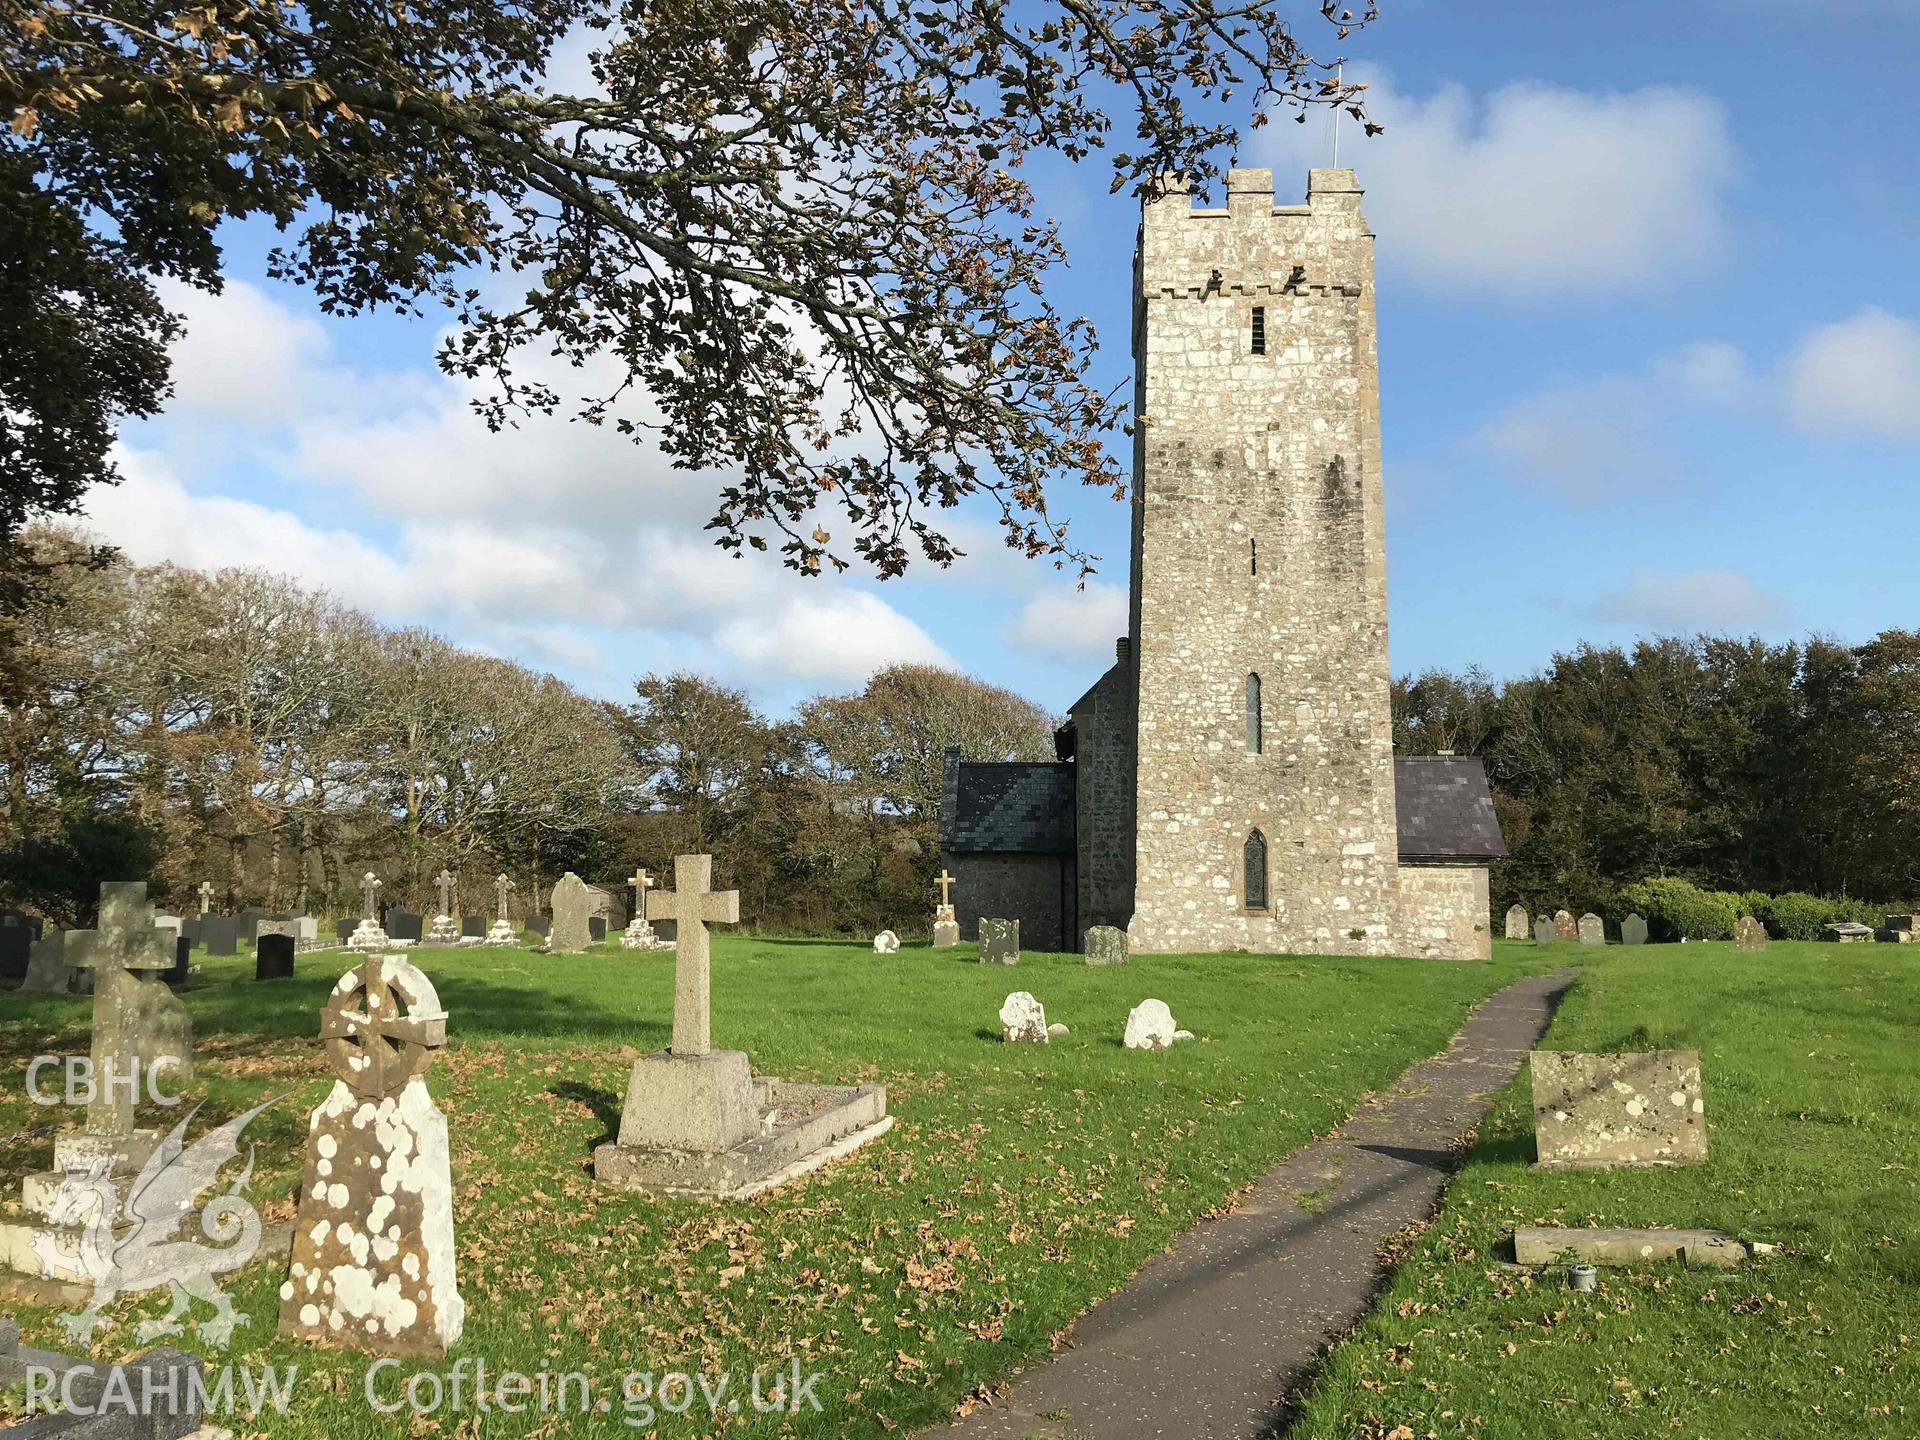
x=1259 y=578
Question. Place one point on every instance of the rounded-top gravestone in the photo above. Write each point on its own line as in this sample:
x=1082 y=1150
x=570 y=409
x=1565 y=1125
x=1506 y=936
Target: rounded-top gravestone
x=886 y=943
x=1519 y=923
x=1150 y=1026
x=1023 y=1020
x=273 y=957
x=1564 y=925
x=1544 y=931
x=1633 y=930
x=1750 y=934
x=1593 y=930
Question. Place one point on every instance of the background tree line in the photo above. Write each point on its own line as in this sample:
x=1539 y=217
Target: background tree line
x=1733 y=764
x=165 y=724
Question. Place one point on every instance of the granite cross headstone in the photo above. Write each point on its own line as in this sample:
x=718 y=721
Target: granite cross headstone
x=693 y=904
x=139 y=1028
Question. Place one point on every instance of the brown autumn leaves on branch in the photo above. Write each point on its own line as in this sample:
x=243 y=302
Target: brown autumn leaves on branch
x=798 y=230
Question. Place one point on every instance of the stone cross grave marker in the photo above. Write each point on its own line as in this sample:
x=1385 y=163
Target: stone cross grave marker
x=444 y=882
x=501 y=932
x=444 y=930
x=206 y=897
x=370 y=890
x=502 y=887
x=377 y=1168
x=945 y=882
x=641 y=882
x=1519 y=923
x=693 y=904
x=138 y=1025
x=946 y=930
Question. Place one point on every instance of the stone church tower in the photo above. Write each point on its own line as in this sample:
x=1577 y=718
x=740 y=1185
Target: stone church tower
x=1264 y=791
x=1229 y=783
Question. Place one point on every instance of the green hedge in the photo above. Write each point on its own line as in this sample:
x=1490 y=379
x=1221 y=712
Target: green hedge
x=1680 y=910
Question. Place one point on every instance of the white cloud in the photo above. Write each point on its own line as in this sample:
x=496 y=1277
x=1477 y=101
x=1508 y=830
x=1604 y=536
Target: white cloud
x=1610 y=439
x=1071 y=623
x=243 y=356
x=1708 y=600
x=1536 y=189
x=838 y=638
x=1861 y=375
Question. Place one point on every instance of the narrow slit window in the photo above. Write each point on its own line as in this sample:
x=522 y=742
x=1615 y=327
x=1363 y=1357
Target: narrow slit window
x=1259 y=329
x=1253 y=557
x=1253 y=714
x=1255 y=888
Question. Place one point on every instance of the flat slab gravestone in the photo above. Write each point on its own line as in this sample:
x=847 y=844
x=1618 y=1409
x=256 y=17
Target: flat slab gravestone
x=1593 y=930
x=273 y=957
x=1849 y=932
x=1023 y=1020
x=1544 y=932
x=473 y=925
x=403 y=924
x=1519 y=923
x=1601 y=1111
x=372 y=1266
x=1749 y=933
x=1633 y=930
x=697 y=1120
x=344 y=929
x=1106 y=945
x=1608 y=1245
x=572 y=907
x=219 y=934
x=1564 y=925
x=999 y=942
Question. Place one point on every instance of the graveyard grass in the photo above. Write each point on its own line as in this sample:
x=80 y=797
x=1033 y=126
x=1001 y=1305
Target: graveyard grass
x=1813 y=1104
x=1018 y=1185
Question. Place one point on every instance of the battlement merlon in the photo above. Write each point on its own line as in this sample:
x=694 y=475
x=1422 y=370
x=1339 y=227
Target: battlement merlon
x=1255 y=244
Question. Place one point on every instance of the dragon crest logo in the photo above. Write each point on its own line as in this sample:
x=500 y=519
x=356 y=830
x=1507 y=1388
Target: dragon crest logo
x=141 y=1244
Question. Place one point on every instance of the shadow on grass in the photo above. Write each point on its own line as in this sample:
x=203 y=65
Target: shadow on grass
x=603 y=1103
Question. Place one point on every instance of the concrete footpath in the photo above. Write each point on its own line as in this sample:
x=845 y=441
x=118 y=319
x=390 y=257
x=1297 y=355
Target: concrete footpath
x=1213 y=1337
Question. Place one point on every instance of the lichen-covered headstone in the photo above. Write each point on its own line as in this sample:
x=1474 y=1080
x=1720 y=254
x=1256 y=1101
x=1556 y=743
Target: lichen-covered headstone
x=1150 y=1026
x=1023 y=1020
x=369 y=934
x=373 y=1256
x=48 y=972
x=1593 y=930
x=1106 y=945
x=1749 y=933
x=139 y=1027
x=1564 y=925
x=1633 y=930
x=572 y=909
x=1544 y=932
x=1519 y=923
x=1599 y=1111
x=886 y=943
x=999 y=942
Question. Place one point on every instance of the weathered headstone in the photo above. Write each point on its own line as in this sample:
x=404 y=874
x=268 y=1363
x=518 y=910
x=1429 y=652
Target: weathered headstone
x=698 y=1120
x=1150 y=1027
x=1597 y=1111
x=1106 y=945
x=1633 y=930
x=48 y=972
x=219 y=934
x=139 y=1028
x=1564 y=925
x=1593 y=930
x=999 y=942
x=273 y=957
x=1519 y=923
x=1544 y=932
x=1749 y=933
x=571 y=908
x=946 y=929
x=373 y=1246
x=1023 y=1020
x=369 y=934
x=404 y=924
x=886 y=943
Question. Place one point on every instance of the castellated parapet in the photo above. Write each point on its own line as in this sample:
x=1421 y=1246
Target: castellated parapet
x=1258 y=596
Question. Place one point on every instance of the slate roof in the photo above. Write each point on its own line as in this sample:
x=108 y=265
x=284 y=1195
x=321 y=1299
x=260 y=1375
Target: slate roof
x=1445 y=809
x=1008 y=808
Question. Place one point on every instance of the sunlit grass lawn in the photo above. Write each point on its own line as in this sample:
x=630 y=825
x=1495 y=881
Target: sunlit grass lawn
x=1020 y=1183
x=1811 y=1066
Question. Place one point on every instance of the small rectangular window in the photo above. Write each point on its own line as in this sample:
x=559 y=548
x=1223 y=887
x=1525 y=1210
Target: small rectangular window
x=1259 y=329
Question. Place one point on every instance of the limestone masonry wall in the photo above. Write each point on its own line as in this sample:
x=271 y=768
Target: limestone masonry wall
x=1260 y=550
x=1103 y=782
x=1444 y=912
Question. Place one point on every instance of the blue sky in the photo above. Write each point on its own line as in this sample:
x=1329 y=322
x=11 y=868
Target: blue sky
x=1649 y=307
